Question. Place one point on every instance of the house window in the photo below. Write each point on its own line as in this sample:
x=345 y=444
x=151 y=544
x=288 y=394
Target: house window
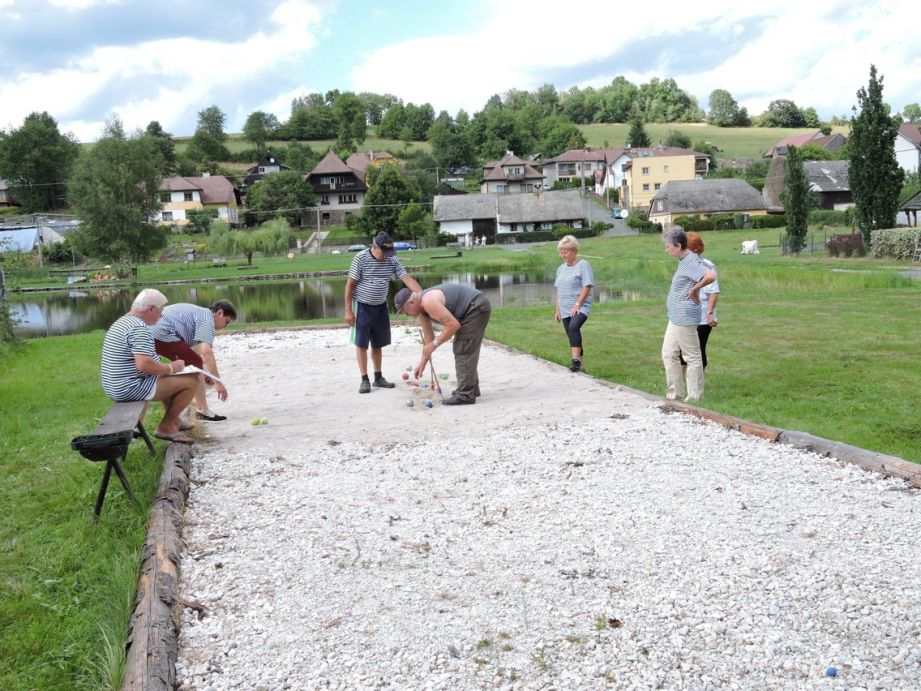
x=348 y=199
x=165 y=197
x=546 y=225
x=645 y=186
x=261 y=169
x=186 y=196
x=566 y=169
x=167 y=215
x=665 y=168
x=324 y=199
x=645 y=170
x=500 y=188
x=660 y=204
x=658 y=186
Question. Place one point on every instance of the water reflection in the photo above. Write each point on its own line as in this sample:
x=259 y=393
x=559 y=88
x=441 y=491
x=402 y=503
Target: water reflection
x=58 y=313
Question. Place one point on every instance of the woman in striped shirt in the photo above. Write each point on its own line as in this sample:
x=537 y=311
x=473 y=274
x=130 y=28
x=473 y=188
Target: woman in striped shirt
x=574 y=281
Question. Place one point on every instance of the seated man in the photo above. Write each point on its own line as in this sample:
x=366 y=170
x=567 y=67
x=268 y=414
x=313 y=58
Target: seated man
x=186 y=332
x=131 y=370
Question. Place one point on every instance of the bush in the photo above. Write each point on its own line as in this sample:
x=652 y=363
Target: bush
x=827 y=217
x=9 y=210
x=644 y=226
x=694 y=223
x=898 y=243
x=769 y=221
x=722 y=222
x=848 y=245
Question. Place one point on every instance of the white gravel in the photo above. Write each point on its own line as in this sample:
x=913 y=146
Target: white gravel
x=559 y=534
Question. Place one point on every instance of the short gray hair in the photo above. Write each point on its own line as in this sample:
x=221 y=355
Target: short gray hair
x=675 y=236
x=149 y=297
x=568 y=242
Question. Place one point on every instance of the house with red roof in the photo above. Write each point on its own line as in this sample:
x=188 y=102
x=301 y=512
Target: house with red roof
x=830 y=142
x=180 y=195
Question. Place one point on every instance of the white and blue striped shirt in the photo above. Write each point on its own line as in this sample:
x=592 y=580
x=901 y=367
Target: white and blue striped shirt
x=570 y=280
x=121 y=379
x=681 y=311
x=372 y=277
x=185 y=322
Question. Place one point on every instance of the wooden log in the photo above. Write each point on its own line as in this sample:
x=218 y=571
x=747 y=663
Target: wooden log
x=153 y=637
x=740 y=425
x=891 y=466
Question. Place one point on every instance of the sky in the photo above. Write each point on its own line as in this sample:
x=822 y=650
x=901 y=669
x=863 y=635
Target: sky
x=87 y=61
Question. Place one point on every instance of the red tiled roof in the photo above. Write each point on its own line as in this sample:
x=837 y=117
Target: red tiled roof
x=329 y=164
x=911 y=132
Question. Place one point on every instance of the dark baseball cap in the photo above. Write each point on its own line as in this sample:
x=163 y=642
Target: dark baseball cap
x=385 y=242
x=401 y=298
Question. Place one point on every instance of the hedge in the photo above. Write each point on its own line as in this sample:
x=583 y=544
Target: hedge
x=898 y=243
x=828 y=217
x=769 y=221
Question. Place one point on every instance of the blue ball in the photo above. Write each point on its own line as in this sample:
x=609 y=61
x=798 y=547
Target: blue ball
x=428 y=404
x=831 y=672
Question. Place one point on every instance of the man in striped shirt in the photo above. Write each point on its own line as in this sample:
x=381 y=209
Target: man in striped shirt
x=132 y=371
x=186 y=332
x=683 y=305
x=367 y=285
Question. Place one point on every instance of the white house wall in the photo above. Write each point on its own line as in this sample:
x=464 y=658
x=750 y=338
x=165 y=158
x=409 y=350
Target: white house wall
x=907 y=154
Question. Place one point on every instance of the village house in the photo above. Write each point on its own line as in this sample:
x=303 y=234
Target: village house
x=830 y=142
x=511 y=175
x=643 y=172
x=340 y=189
x=180 y=195
x=489 y=215
x=267 y=165
x=705 y=198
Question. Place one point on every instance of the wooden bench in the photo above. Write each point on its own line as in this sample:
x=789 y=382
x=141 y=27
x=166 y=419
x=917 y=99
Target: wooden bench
x=109 y=442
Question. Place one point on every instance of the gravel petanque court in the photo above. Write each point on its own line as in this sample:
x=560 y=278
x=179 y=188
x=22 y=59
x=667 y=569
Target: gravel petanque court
x=559 y=534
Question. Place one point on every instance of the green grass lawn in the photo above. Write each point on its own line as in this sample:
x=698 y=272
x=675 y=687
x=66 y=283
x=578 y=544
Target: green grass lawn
x=736 y=142
x=823 y=345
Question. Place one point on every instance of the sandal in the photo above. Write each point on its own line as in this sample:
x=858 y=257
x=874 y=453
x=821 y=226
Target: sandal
x=176 y=437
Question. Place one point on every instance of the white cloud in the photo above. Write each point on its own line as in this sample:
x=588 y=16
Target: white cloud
x=200 y=66
x=817 y=54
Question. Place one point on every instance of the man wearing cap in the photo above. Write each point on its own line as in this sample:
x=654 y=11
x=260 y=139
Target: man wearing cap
x=464 y=313
x=367 y=285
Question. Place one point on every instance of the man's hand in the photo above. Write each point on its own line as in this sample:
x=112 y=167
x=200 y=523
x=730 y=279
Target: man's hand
x=221 y=391
x=349 y=316
x=693 y=297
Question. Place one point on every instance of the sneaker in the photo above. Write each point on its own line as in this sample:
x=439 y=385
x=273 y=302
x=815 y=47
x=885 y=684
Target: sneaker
x=365 y=386
x=454 y=400
x=210 y=417
x=475 y=393
x=382 y=383
x=575 y=366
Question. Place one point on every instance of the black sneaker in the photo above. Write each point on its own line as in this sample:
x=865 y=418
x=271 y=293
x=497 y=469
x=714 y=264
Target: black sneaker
x=576 y=366
x=454 y=400
x=365 y=386
x=382 y=383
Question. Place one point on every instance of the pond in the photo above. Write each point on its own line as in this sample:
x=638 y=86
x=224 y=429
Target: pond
x=80 y=311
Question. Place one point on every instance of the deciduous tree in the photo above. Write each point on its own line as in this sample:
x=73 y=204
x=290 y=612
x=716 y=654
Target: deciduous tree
x=115 y=191
x=351 y=122
x=912 y=112
x=259 y=127
x=36 y=160
x=163 y=143
x=208 y=141
x=874 y=173
x=280 y=195
x=725 y=112
x=389 y=190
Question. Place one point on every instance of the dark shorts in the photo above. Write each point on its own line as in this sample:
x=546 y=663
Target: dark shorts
x=178 y=350
x=372 y=326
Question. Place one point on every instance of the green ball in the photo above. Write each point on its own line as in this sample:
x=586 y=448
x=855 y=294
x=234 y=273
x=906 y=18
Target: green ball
x=254 y=421
x=264 y=421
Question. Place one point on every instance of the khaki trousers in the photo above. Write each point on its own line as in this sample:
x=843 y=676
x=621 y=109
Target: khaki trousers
x=683 y=341
x=467 y=342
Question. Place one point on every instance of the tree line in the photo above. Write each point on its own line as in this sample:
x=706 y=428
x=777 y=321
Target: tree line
x=114 y=185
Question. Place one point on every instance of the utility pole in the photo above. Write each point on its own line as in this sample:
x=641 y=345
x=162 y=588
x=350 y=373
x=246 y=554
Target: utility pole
x=41 y=259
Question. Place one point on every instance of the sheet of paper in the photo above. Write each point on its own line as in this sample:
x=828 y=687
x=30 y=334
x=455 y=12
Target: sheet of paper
x=192 y=369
